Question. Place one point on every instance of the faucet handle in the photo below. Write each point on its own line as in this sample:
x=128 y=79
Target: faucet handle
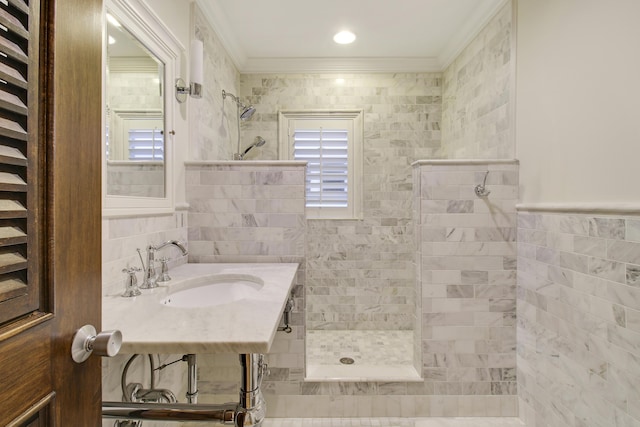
x=131 y=286
x=164 y=269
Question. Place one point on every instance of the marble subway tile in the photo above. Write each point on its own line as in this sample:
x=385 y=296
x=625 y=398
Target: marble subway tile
x=590 y=246
x=610 y=228
x=633 y=275
x=632 y=231
x=623 y=251
x=607 y=269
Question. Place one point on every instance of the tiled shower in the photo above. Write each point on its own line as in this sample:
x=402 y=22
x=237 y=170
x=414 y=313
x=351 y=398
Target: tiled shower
x=464 y=344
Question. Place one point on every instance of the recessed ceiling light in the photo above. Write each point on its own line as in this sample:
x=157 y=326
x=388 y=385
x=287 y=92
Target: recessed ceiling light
x=344 y=37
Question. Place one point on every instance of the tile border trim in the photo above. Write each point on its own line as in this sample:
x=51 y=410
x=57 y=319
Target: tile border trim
x=461 y=162
x=582 y=208
x=245 y=163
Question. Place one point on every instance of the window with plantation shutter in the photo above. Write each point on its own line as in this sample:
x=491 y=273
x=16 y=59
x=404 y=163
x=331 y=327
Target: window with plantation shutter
x=19 y=167
x=146 y=144
x=326 y=151
x=331 y=144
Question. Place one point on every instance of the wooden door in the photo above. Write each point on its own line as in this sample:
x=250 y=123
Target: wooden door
x=50 y=209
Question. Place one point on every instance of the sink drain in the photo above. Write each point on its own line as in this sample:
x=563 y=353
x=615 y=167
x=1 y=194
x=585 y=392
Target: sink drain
x=347 y=361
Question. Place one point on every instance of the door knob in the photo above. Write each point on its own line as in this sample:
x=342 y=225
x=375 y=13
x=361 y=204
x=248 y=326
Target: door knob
x=86 y=341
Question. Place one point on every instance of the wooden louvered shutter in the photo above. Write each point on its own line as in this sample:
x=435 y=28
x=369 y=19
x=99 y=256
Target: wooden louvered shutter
x=20 y=167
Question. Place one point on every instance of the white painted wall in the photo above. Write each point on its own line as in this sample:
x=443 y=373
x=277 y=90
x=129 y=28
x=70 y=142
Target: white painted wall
x=175 y=14
x=578 y=101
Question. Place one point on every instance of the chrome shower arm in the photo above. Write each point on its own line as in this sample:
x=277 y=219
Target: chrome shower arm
x=235 y=98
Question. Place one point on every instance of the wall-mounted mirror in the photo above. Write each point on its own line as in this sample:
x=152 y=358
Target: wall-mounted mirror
x=140 y=57
x=135 y=116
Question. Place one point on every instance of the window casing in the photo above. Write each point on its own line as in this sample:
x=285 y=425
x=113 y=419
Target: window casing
x=331 y=143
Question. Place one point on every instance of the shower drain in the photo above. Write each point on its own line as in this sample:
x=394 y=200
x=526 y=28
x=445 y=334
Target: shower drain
x=347 y=361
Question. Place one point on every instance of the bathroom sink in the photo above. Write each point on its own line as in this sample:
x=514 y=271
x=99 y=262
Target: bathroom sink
x=212 y=290
x=205 y=308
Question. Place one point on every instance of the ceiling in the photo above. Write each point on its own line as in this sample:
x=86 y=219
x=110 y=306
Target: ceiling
x=392 y=35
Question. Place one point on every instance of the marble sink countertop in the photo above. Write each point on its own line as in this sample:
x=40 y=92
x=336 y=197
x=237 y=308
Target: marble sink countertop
x=246 y=326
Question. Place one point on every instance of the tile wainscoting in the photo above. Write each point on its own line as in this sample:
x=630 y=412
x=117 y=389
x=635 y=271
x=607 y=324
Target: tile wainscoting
x=579 y=318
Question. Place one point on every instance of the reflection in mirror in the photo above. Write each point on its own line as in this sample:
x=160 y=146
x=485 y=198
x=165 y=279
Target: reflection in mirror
x=135 y=146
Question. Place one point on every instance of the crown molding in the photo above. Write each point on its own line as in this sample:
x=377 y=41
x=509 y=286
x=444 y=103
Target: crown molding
x=468 y=32
x=248 y=65
x=339 y=65
x=217 y=19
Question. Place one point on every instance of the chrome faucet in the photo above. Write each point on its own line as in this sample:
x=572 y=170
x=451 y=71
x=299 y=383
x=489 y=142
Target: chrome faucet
x=150 y=277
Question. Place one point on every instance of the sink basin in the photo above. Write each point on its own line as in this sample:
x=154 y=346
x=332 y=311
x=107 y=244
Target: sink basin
x=212 y=290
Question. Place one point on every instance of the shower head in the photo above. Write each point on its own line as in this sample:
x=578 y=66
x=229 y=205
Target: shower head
x=244 y=111
x=247 y=112
x=258 y=141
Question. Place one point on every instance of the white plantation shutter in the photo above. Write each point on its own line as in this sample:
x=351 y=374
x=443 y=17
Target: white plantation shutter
x=331 y=144
x=327 y=154
x=146 y=144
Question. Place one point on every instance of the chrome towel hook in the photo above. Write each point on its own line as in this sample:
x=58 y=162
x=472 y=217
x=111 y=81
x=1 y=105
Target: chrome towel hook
x=481 y=190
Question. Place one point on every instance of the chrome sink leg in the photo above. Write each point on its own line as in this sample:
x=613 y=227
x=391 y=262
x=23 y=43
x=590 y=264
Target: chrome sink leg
x=251 y=399
x=192 y=379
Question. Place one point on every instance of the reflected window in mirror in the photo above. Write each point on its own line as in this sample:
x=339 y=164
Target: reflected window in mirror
x=135 y=120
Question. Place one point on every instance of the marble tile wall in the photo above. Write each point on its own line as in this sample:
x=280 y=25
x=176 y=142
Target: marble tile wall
x=246 y=212
x=135 y=179
x=477 y=95
x=130 y=90
x=468 y=277
x=578 y=319
x=360 y=272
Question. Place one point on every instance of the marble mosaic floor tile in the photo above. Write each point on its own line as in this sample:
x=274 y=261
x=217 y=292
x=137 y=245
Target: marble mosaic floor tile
x=393 y=422
x=376 y=355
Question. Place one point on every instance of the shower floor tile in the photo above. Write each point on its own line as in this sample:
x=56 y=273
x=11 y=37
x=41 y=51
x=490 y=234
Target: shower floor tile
x=376 y=355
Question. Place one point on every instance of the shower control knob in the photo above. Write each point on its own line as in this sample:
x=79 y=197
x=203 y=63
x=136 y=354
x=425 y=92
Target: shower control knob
x=86 y=341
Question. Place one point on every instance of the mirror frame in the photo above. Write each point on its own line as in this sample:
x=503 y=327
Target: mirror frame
x=145 y=25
